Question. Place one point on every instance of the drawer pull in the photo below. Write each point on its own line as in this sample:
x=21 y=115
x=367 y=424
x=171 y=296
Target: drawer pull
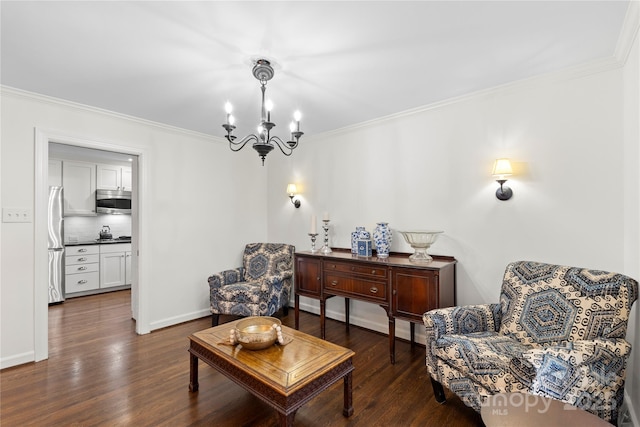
x=82 y=282
x=82 y=250
x=373 y=272
x=318 y=278
x=334 y=283
x=373 y=290
x=82 y=268
x=82 y=259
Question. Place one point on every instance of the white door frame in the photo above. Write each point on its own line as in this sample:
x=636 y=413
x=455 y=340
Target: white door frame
x=140 y=310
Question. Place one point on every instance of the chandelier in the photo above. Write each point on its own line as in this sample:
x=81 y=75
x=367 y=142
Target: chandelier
x=263 y=141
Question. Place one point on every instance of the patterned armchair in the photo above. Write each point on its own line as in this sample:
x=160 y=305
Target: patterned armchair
x=260 y=287
x=558 y=332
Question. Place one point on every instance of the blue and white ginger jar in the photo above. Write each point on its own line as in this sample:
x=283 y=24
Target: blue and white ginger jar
x=382 y=236
x=359 y=234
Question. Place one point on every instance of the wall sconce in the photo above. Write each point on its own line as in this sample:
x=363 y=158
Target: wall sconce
x=292 y=190
x=501 y=169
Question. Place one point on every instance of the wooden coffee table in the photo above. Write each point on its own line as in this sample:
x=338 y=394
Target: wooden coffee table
x=285 y=377
x=528 y=410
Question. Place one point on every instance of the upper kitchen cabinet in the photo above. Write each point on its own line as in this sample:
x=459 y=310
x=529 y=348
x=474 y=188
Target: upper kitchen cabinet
x=79 y=182
x=113 y=177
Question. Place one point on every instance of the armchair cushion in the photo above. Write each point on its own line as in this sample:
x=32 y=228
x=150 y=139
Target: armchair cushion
x=486 y=358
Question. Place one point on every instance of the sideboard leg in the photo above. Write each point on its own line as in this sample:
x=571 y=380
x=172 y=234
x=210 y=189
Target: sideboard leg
x=392 y=340
x=412 y=329
x=322 y=313
x=346 y=311
x=297 y=311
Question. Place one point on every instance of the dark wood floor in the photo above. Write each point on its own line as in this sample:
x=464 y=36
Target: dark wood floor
x=100 y=373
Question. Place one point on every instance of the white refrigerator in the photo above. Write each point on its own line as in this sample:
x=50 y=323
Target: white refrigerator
x=56 y=245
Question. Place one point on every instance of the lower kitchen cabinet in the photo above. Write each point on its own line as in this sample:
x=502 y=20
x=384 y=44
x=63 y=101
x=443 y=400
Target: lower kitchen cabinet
x=92 y=269
x=82 y=266
x=113 y=261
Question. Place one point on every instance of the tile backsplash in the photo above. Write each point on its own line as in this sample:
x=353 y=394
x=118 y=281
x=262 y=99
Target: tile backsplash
x=86 y=228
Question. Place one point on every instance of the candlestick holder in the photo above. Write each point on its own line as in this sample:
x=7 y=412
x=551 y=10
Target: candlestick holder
x=313 y=242
x=325 y=226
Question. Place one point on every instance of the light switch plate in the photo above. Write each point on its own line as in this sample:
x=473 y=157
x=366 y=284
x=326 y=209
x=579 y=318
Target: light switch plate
x=16 y=215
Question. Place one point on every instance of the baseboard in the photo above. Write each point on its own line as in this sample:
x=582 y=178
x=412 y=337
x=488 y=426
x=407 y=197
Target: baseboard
x=170 y=321
x=18 y=359
x=354 y=319
x=635 y=418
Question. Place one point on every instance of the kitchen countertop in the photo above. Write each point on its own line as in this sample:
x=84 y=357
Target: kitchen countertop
x=98 y=242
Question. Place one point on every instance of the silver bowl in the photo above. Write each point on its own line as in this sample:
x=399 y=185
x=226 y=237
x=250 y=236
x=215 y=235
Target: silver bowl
x=420 y=241
x=257 y=332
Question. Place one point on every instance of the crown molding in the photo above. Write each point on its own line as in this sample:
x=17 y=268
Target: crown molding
x=567 y=74
x=629 y=31
x=19 y=93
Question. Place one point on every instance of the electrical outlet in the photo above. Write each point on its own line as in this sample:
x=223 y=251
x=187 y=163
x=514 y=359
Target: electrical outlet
x=16 y=215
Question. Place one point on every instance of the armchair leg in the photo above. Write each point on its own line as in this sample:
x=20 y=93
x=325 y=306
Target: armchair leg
x=215 y=318
x=438 y=391
x=285 y=310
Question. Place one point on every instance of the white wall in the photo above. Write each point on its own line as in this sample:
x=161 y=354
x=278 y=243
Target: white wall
x=431 y=170
x=631 y=184
x=202 y=203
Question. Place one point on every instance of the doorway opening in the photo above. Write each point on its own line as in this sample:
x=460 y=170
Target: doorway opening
x=97 y=245
x=51 y=145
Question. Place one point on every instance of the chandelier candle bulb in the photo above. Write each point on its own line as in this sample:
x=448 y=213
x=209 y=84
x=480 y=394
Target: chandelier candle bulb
x=269 y=106
x=228 y=108
x=297 y=116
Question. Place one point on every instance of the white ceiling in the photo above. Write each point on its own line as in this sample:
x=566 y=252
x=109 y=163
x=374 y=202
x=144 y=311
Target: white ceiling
x=340 y=63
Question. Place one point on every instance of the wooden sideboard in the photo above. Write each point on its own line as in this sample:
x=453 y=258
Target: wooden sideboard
x=405 y=290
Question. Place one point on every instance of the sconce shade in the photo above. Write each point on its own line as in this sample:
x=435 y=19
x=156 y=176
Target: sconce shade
x=502 y=168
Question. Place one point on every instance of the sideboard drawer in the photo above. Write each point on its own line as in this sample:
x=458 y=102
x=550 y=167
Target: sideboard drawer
x=361 y=288
x=366 y=270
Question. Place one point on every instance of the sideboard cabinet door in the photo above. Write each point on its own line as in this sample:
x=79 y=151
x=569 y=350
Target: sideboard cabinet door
x=308 y=280
x=416 y=291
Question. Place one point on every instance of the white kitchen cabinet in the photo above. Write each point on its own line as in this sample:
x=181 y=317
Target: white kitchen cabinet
x=81 y=269
x=55 y=173
x=113 y=177
x=113 y=264
x=126 y=179
x=127 y=268
x=79 y=182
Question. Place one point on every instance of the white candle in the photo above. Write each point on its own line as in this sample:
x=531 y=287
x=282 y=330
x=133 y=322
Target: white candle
x=325 y=216
x=313 y=225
